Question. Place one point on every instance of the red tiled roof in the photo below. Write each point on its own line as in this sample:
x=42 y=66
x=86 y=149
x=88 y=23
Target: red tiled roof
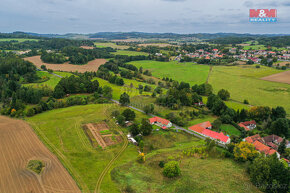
x=263 y=148
x=215 y=135
x=159 y=120
x=242 y=125
x=205 y=124
x=196 y=128
x=246 y=123
x=286 y=160
x=253 y=138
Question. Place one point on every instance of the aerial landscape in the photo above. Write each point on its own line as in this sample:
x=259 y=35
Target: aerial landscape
x=95 y=102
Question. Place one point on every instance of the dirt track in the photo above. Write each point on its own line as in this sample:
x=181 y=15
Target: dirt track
x=92 y=66
x=19 y=144
x=283 y=77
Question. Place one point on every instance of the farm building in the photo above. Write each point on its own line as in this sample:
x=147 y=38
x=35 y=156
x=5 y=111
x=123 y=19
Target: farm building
x=248 y=125
x=204 y=130
x=160 y=122
x=261 y=145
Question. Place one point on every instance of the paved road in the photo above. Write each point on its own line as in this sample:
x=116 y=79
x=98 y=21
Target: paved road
x=176 y=127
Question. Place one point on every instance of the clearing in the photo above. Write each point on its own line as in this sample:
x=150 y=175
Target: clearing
x=187 y=72
x=18 y=145
x=283 y=77
x=129 y=53
x=91 y=66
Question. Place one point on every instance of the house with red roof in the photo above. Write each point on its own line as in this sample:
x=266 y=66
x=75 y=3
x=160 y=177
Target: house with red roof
x=248 y=125
x=261 y=145
x=204 y=129
x=160 y=122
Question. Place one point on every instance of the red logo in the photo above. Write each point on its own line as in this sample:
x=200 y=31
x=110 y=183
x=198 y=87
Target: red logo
x=263 y=13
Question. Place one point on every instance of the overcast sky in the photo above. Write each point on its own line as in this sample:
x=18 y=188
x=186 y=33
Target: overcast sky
x=178 y=16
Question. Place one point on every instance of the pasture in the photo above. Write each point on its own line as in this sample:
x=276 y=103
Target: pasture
x=197 y=175
x=52 y=80
x=110 y=44
x=243 y=82
x=230 y=130
x=18 y=146
x=91 y=66
x=16 y=39
x=61 y=130
x=187 y=72
x=129 y=53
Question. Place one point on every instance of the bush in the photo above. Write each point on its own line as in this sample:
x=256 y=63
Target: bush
x=171 y=169
x=246 y=102
x=161 y=164
x=257 y=66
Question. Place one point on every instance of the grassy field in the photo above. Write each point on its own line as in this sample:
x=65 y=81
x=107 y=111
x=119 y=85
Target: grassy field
x=197 y=175
x=230 y=130
x=129 y=53
x=62 y=131
x=243 y=83
x=53 y=80
x=110 y=44
x=193 y=74
x=16 y=39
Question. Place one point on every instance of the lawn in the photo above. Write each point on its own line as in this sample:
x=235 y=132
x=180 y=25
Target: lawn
x=197 y=175
x=110 y=44
x=17 y=39
x=130 y=53
x=52 y=79
x=187 y=72
x=61 y=130
x=243 y=83
x=230 y=130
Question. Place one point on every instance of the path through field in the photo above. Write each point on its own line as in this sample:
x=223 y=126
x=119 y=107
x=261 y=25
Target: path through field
x=18 y=145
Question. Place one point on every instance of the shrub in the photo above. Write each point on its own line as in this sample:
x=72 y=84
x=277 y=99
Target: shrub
x=246 y=102
x=171 y=169
x=257 y=66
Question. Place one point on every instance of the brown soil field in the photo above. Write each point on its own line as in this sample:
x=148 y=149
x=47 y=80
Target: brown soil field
x=18 y=145
x=281 y=63
x=103 y=140
x=283 y=77
x=92 y=66
x=87 y=47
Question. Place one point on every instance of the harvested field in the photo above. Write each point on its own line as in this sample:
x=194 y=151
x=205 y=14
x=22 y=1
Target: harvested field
x=156 y=44
x=18 y=145
x=281 y=63
x=87 y=47
x=95 y=130
x=283 y=77
x=92 y=66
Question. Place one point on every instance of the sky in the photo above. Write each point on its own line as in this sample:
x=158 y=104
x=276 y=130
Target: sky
x=176 y=16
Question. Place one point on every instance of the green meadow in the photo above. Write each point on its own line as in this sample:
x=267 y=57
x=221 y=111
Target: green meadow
x=61 y=130
x=197 y=175
x=130 y=53
x=187 y=72
x=230 y=130
x=49 y=80
x=110 y=44
x=16 y=39
x=243 y=82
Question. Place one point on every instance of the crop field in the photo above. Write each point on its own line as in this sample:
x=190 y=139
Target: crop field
x=52 y=79
x=283 y=77
x=18 y=145
x=155 y=44
x=110 y=44
x=62 y=132
x=187 y=72
x=197 y=175
x=130 y=53
x=16 y=39
x=243 y=82
x=91 y=66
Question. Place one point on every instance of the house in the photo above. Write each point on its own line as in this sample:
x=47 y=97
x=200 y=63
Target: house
x=160 y=122
x=131 y=139
x=260 y=145
x=204 y=130
x=248 y=125
x=274 y=141
x=200 y=104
